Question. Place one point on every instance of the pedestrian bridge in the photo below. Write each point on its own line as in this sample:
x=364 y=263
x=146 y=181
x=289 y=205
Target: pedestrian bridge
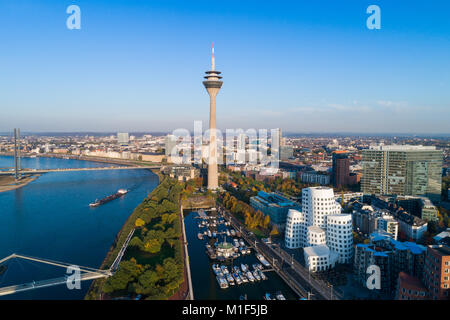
x=89 y=273
x=86 y=273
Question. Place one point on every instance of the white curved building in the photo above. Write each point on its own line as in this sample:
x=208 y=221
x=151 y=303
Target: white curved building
x=320 y=224
x=317 y=203
x=295 y=235
x=340 y=236
x=319 y=258
x=316 y=236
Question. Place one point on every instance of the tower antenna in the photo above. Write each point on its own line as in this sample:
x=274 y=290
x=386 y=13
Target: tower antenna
x=213 y=61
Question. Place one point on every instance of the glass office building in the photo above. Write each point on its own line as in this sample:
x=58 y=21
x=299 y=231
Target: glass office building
x=402 y=170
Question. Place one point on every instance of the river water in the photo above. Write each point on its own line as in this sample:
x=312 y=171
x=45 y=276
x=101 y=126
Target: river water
x=51 y=218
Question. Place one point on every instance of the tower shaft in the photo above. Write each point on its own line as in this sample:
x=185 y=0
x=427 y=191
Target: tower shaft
x=213 y=181
x=212 y=85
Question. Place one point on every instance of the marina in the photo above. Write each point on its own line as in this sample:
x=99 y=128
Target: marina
x=224 y=266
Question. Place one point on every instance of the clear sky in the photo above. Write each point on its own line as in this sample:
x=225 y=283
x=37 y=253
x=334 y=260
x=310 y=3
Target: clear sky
x=304 y=66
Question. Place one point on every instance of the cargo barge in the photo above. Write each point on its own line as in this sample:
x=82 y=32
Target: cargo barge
x=118 y=194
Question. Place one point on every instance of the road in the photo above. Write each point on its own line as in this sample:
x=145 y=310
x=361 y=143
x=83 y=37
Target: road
x=288 y=268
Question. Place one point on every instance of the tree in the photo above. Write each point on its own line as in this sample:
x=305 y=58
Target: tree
x=266 y=222
x=152 y=246
x=139 y=222
x=274 y=231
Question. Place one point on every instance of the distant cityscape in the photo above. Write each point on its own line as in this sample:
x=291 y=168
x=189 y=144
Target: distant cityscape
x=363 y=200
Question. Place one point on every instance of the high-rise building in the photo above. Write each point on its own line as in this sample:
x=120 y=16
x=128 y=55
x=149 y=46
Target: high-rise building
x=212 y=85
x=170 y=143
x=320 y=223
x=341 y=169
x=437 y=272
x=123 y=138
x=402 y=170
x=286 y=152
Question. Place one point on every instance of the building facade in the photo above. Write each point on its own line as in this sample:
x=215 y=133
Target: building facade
x=437 y=272
x=341 y=169
x=402 y=170
x=320 y=223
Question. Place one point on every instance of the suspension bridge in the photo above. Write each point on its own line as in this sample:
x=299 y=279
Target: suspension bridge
x=86 y=273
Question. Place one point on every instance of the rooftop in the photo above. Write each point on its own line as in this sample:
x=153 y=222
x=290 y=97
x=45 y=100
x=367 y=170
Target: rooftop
x=403 y=148
x=320 y=250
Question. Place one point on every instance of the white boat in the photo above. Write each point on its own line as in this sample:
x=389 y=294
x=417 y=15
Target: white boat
x=236 y=243
x=224 y=270
x=222 y=282
x=250 y=276
x=228 y=233
x=244 y=267
x=262 y=275
x=209 y=233
x=233 y=233
x=237 y=278
x=263 y=260
x=256 y=275
x=244 y=278
x=217 y=270
x=280 y=296
x=230 y=279
x=242 y=243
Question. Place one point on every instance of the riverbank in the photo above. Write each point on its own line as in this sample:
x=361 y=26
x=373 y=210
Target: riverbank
x=94 y=292
x=153 y=264
x=8 y=183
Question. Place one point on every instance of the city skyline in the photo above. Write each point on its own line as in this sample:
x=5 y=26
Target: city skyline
x=306 y=68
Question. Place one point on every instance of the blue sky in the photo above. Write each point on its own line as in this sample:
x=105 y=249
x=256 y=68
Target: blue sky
x=304 y=66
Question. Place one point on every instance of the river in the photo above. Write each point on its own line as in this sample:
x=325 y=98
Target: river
x=51 y=218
